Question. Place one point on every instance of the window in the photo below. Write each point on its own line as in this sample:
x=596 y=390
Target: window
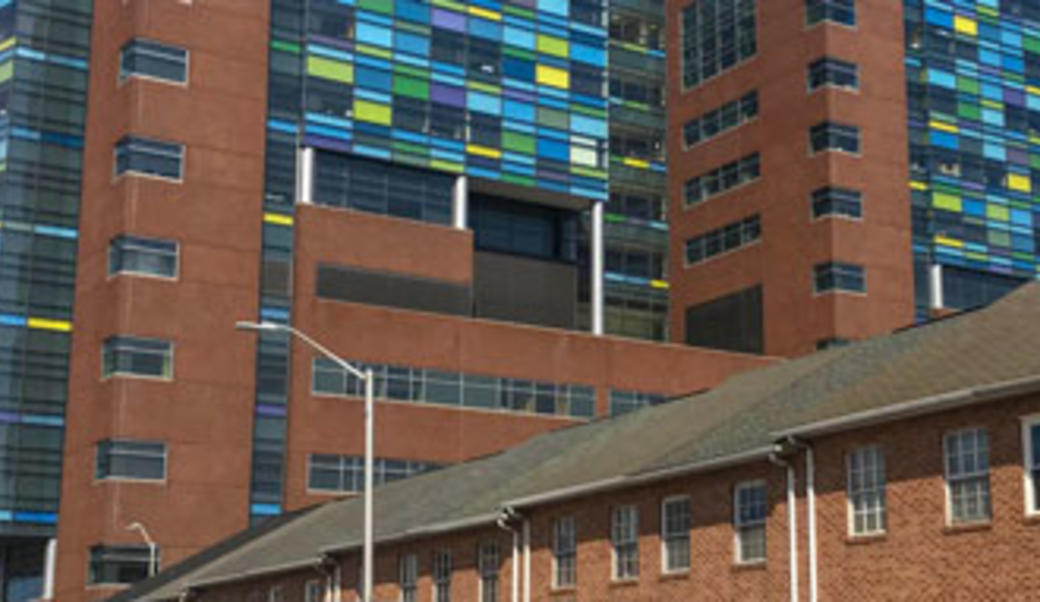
x=135 y=356
x=836 y=276
x=274 y=594
x=1031 y=451
x=833 y=72
x=565 y=552
x=829 y=136
x=675 y=534
x=837 y=11
x=717 y=35
x=967 y=476
x=838 y=202
x=144 y=256
x=123 y=459
x=623 y=401
x=314 y=591
x=721 y=179
x=722 y=240
x=625 y=537
x=749 y=521
x=408 y=577
x=143 y=156
x=327 y=472
x=145 y=58
x=118 y=564
x=487 y=564
x=866 y=487
x=442 y=576
x=718 y=121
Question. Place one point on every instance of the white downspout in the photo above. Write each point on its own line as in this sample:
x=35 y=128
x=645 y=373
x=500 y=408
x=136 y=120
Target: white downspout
x=527 y=560
x=504 y=525
x=50 y=558
x=810 y=494
x=792 y=523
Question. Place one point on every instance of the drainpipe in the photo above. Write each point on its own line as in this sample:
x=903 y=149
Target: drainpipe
x=810 y=494
x=527 y=560
x=50 y=558
x=508 y=516
x=792 y=518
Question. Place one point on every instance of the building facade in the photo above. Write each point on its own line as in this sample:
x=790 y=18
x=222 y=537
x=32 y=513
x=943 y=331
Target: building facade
x=788 y=129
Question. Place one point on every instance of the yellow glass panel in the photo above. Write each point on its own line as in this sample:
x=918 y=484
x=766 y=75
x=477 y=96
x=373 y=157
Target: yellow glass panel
x=1019 y=182
x=329 y=69
x=551 y=76
x=965 y=25
x=372 y=112
x=551 y=45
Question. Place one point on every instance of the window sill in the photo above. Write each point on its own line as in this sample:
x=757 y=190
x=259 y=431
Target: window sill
x=866 y=539
x=972 y=527
x=625 y=582
x=563 y=590
x=1031 y=519
x=675 y=575
x=756 y=565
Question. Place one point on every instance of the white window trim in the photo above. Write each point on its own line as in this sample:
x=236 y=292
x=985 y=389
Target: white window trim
x=664 y=542
x=737 y=524
x=136 y=274
x=946 y=478
x=613 y=545
x=1031 y=504
x=410 y=561
x=555 y=582
x=848 y=492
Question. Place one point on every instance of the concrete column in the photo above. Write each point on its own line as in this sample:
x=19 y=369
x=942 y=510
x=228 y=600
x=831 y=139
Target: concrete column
x=460 y=203
x=596 y=254
x=305 y=175
x=935 y=289
x=50 y=559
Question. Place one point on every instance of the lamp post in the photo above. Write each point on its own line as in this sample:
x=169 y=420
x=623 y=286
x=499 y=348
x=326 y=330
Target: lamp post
x=136 y=526
x=366 y=375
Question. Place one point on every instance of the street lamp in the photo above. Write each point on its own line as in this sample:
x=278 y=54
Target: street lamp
x=366 y=375
x=136 y=526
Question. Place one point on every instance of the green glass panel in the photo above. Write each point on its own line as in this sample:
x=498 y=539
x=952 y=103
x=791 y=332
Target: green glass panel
x=521 y=143
x=410 y=86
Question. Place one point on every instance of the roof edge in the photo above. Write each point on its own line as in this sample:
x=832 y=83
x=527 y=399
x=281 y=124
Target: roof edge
x=629 y=480
x=282 y=568
x=916 y=407
x=434 y=529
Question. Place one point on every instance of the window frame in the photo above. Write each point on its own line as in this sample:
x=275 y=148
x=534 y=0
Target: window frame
x=408 y=577
x=182 y=161
x=739 y=526
x=571 y=553
x=314 y=591
x=165 y=459
x=824 y=19
x=1031 y=482
x=667 y=538
x=439 y=577
x=826 y=61
x=836 y=288
x=140 y=274
x=117 y=374
x=833 y=131
x=630 y=543
x=102 y=549
x=123 y=76
x=880 y=488
x=839 y=197
x=948 y=480
x=488 y=551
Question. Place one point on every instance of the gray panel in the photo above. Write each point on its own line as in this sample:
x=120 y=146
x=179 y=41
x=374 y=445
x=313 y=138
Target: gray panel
x=733 y=322
x=393 y=290
x=522 y=289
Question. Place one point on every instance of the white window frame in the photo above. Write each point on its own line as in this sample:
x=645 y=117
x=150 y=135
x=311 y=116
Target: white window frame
x=739 y=526
x=880 y=488
x=1029 y=466
x=488 y=568
x=408 y=577
x=274 y=594
x=977 y=474
x=666 y=537
x=560 y=525
x=314 y=591
x=618 y=516
x=441 y=564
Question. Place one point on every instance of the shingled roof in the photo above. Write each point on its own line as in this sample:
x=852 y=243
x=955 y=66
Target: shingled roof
x=736 y=421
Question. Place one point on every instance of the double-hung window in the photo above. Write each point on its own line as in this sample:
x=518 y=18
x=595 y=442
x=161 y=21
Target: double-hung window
x=833 y=72
x=137 y=356
x=144 y=256
x=145 y=156
x=442 y=576
x=408 y=577
x=124 y=459
x=967 y=476
x=314 y=591
x=828 y=136
x=154 y=60
x=831 y=201
x=836 y=11
x=866 y=490
x=838 y=276
x=625 y=537
x=749 y=521
x=487 y=566
x=1031 y=452
x=565 y=552
x=675 y=534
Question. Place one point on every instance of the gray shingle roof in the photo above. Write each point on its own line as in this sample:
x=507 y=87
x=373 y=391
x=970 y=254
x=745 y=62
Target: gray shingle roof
x=997 y=344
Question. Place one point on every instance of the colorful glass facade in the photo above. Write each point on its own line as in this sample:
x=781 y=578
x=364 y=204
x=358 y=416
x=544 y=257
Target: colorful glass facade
x=973 y=70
